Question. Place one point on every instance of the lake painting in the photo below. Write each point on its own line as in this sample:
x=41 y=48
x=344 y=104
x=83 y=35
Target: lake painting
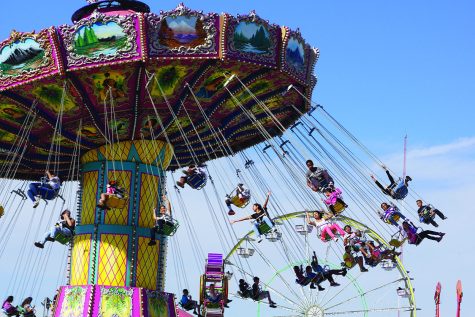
x=20 y=56
x=100 y=38
x=181 y=31
x=252 y=37
x=295 y=54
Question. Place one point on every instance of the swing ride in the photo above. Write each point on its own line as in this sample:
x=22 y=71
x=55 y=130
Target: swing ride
x=123 y=98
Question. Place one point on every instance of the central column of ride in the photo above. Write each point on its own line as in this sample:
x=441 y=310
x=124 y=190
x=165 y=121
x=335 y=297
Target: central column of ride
x=113 y=270
x=111 y=246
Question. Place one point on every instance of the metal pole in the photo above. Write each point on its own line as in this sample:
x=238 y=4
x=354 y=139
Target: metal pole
x=459 y=296
x=437 y=299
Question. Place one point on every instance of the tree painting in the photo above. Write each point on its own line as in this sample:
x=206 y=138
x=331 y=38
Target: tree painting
x=252 y=37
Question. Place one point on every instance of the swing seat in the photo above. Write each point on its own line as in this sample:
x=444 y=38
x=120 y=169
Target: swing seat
x=169 y=229
x=115 y=202
x=274 y=236
x=403 y=292
x=238 y=202
x=264 y=228
x=245 y=252
x=388 y=265
x=396 y=243
x=2 y=211
x=302 y=230
x=394 y=217
x=61 y=238
x=338 y=207
x=196 y=181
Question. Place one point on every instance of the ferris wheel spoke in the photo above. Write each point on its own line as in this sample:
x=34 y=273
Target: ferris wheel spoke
x=362 y=294
x=370 y=310
x=351 y=282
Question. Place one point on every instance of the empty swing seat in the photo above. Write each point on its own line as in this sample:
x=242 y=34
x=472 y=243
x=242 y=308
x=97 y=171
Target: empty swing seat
x=303 y=230
x=245 y=252
x=388 y=265
x=196 y=181
x=274 y=236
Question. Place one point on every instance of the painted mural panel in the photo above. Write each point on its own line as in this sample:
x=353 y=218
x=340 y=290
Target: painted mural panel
x=21 y=56
x=51 y=96
x=73 y=303
x=295 y=54
x=186 y=31
x=115 y=81
x=116 y=302
x=251 y=37
x=167 y=80
x=183 y=32
x=12 y=113
x=101 y=38
x=160 y=304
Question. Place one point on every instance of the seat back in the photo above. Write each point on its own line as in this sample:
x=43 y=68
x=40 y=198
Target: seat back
x=196 y=181
x=116 y=202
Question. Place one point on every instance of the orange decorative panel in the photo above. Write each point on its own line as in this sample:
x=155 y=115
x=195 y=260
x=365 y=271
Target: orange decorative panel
x=112 y=259
x=89 y=197
x=148 y=200
x=80 y=259
x=147 y=264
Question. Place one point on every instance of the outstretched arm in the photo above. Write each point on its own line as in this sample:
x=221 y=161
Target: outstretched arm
x=242 y=219
x=267 y=200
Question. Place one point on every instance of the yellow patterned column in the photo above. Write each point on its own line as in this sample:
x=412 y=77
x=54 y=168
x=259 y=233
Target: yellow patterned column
x=111 y=246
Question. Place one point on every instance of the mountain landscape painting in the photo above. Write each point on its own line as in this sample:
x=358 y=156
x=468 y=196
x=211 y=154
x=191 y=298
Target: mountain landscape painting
x=295 y=54
x=20 y=56
x=99 y=39
x=181 y=31
x=252 y=37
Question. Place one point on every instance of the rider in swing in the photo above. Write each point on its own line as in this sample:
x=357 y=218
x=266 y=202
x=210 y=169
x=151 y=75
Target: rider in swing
x=395 y=190
x=242 y=193
x=47 y=189
x=165 y=217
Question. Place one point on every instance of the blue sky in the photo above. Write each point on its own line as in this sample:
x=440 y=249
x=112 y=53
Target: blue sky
x=385 y=69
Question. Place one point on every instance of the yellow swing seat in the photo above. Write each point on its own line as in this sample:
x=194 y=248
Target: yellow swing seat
x=338 y=207
x=238 y=202
x=115 y=202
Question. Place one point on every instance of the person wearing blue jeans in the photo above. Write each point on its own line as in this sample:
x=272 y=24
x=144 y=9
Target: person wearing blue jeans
x=259 y=216
x=397 y=190
x=46 y=190
x=64 y=227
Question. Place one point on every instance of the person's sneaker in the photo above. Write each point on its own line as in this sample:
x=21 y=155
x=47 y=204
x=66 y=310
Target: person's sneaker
x=334 y=284
x=231 y=212
x=273 y=230
x=39 y=245
x=335 y=239
x=408 y=178
x=152 y=242
x=228 y=301
x=312 y=286
x=344 y=272
x=259 y=240
x=37 y=201
x=180 y=184
x=441 y=234
x=444 y=218
x=364 y=270
x=50 y=239
x=321 y=288
x=273 y=305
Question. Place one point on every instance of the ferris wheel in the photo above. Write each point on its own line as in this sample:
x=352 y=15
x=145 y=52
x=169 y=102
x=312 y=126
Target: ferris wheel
x=386 y=288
